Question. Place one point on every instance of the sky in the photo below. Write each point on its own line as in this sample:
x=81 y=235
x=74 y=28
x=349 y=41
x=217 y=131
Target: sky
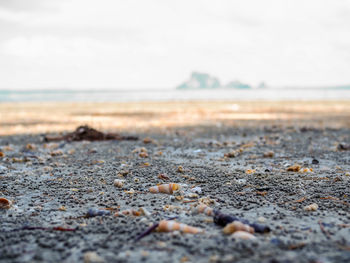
x=156 y=44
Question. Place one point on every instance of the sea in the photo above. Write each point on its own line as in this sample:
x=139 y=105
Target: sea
x=267 y=94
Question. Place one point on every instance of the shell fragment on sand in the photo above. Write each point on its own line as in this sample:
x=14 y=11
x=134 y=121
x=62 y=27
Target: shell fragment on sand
x=312 y=207
x=165 y=188
x=237 y=226
x=169 y=226
x=5 y=203
x=243 y=235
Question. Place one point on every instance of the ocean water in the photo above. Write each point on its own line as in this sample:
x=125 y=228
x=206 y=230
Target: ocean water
x=172 y=95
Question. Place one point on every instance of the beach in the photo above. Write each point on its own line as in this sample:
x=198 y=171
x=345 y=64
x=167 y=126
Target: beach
x=261 y=161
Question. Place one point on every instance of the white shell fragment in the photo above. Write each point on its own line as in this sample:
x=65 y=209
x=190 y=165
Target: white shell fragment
x=118 y=183
x=312 y=207
x=243 y=235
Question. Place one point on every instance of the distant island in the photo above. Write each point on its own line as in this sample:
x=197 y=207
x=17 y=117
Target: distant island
x=205 y=81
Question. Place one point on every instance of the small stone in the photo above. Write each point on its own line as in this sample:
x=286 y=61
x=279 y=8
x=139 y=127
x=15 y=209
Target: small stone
x=315 y=161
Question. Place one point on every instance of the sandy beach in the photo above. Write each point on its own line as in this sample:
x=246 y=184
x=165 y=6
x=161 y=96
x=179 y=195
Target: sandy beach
x=265 y=162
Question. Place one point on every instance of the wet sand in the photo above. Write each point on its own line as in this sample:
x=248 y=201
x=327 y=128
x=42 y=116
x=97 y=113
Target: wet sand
x=54 y=184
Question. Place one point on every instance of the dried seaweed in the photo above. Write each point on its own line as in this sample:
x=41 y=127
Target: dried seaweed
x=88 y=134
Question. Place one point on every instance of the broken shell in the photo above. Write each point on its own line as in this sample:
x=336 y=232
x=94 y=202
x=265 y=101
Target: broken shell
x=169 y=226
x=4 y=203
x=131 y=191
x=237 y=226
x=129 y=212
x=143 y=154
x=250 y=171
x=163 y=177
x=243 y=235
x=56 y=153
x=202 y=208
x=192 y=195
x=122 y=173
x=145 y=212
x=136 y=180
x=269 y=154
x=180 y=169
x=312 y=207
x=30 y=146
x=165 y=188
x=294 y=168
x=307 y=170
x=147 y=140
x=118 y=183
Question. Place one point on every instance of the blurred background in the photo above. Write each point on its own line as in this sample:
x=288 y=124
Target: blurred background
x=117 y=64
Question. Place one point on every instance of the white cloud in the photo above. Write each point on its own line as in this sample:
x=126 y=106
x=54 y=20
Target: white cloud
x=157 y=43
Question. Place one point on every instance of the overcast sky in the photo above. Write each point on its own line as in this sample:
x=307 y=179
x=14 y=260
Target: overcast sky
x=158 y=43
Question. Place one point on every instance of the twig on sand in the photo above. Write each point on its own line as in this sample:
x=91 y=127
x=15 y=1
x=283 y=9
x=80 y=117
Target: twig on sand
x=324 y=231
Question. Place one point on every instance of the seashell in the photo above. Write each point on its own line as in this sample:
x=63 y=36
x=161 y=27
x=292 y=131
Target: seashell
x=30 y=147
x=312 y=207
x=269 y=154
x=131 y=191
x=163 y=177
x=56 y=153
x=5 y=203
x=202 y=208
x=172 y=208
x=143 y=154
x=147 y=140
x=207 y=201
x=222 y=219
x=237 y=226
x=169 y=226
x=118 y=183
x=165 y=188
x=243 y=235
x=140 y=150
x=128 y=212
x=122 y=173
x=136 y=180
x=180 y=169
x=192 y=195
x=307 y=170
x=294 y=168
x=145 y=212
x=2 y=154
x=250 y=171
